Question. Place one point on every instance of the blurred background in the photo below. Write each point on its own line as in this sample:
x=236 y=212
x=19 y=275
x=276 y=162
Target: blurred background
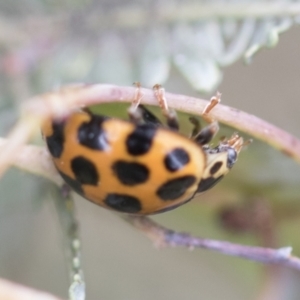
x=192 y=48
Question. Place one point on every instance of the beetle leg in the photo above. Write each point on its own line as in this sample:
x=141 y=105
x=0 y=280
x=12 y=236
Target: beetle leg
x=139 y=113
x=148 y=117
x=87 y=110
x=135 y=114
x=170 y=114
x=215 y=100
x=196 y=126
x=205 y=135
x=236 y=142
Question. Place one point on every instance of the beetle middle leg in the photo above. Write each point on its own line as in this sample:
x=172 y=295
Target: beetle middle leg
x=205 y=135
x=139 y=113
x=170 y=114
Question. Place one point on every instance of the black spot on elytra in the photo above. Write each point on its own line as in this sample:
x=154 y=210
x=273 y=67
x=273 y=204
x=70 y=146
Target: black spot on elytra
x=130 y=173
x=208 y=183
x=56 y=141
x=140 y=140
x=74 y=184
x=92 y=135
x=84 y=170
x=176 y=159
x=175 y=188
x=215 y=168
x=123 y=203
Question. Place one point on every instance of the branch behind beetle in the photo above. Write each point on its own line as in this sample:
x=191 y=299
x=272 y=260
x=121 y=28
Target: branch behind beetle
x=60 y=103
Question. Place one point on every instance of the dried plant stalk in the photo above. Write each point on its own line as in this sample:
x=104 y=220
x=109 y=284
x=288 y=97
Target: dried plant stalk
x=60 y=103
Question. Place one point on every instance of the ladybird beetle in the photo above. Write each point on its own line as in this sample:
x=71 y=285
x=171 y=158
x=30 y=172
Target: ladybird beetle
x=139 y=166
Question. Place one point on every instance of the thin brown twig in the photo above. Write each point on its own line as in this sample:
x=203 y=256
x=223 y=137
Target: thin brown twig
x=163 y=237
x=35 y=160
x=60 y=103
x=66 y=99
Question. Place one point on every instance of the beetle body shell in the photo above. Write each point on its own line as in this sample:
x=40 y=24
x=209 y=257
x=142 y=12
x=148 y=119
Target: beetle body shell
x=138 y=169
